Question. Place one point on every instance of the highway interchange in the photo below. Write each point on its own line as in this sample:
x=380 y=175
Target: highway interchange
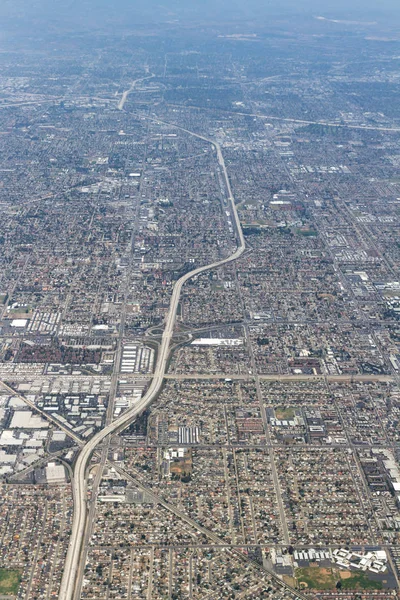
x=79 y=483
x=74 y=564
x=83 y=511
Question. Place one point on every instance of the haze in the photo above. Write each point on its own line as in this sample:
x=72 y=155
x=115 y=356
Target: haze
x=100 y=12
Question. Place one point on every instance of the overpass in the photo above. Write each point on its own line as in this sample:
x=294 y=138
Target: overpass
x=79 y=484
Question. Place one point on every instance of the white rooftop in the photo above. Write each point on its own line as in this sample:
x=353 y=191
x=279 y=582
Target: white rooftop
x=25 y=419
x=19 y=322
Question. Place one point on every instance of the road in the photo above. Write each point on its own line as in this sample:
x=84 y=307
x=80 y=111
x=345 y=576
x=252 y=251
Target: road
x=43 y=413
x=289 y=119
x=206 y=531
x=39 y=549
x=125 y=95
x=67 y=590
x=111 y=404
x=281 y=377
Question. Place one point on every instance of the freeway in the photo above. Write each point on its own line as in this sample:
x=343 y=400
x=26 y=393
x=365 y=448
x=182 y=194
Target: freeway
x=112 y=395
x=289 y=119
x=344 y=378
x=79 y=487
x=125 y=94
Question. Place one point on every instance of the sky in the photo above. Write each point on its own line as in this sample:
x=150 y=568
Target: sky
x=100 y=12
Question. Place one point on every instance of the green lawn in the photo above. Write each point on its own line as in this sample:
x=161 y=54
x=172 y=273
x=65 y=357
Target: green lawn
x=319 y=578
x=360 y=580
x=284 y=413
x=316 y=578
x=9 y=582
x=307 y=232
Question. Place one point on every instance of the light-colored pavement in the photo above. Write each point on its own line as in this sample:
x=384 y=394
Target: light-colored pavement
x=111 y=405
x=206 y=531
x=280 y=377
x=125 y=95
x=67 y=590
x=43 y=414
x=289 y=119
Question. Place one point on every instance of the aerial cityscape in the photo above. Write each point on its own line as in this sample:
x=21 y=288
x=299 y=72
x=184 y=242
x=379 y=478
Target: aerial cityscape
x=199 y=305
